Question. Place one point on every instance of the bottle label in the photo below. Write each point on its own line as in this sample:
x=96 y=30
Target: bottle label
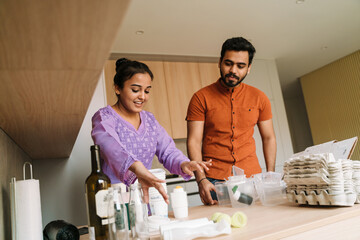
x=107 y=221
x=103 y=200
x=91 y=233
x=119 y=218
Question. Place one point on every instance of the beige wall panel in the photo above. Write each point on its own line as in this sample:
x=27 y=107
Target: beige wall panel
x=209 y=73
x=332 y=98
x=182 y=80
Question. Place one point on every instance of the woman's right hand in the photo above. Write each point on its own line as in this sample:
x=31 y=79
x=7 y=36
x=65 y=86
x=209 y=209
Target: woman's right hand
x=147 y=180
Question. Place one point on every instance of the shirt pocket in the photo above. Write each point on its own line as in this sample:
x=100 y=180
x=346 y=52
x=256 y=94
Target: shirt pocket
x=246 y=116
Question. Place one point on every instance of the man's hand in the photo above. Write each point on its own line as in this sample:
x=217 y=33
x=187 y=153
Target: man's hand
x=205 y=186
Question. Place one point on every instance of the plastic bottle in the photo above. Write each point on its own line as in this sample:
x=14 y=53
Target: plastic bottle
x=179 y=202
x=138 y=213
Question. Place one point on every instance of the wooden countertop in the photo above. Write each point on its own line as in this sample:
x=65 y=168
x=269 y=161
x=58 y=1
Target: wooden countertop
x=288 y=221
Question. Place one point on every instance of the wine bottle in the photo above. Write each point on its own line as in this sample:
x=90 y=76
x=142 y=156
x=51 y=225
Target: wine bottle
x=97 y=198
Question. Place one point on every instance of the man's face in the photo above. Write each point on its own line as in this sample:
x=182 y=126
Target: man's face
x=234 y=67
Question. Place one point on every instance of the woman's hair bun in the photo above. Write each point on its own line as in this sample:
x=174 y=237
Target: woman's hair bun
x=120 y=62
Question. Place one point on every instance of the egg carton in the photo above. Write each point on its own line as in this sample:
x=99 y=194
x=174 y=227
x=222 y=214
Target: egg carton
x=313 y=178
x=323 y=198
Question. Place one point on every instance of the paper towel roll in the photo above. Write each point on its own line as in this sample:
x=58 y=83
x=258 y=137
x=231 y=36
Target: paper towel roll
x=28 y=210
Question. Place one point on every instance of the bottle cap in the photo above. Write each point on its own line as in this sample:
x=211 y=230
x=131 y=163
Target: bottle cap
x=178 y=189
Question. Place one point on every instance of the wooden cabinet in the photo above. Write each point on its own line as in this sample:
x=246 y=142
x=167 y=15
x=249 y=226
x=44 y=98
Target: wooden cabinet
x=209 y=73
x=158 y=102
x=109 y=72
x=182 y=80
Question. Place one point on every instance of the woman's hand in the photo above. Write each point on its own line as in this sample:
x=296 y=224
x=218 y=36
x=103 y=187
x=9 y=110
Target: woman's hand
x=192 y=166
x=147 y=179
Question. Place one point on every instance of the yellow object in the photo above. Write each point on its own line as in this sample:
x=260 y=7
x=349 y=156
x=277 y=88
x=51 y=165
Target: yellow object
x=238 y=219
x=215 y=216
x=224 y=216
x=177 y=187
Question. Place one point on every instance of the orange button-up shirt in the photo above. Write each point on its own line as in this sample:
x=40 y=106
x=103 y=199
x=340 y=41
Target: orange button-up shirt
x=230 y=116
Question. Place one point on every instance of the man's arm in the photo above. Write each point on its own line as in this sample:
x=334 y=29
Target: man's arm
x=195 y=133
x=269 y=143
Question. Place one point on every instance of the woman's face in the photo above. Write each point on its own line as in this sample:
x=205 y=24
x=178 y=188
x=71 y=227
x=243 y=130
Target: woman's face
x=135 y=93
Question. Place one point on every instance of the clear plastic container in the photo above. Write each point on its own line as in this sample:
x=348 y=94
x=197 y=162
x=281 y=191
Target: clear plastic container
x=222 y=193
x=270 y=188
x=241 y=191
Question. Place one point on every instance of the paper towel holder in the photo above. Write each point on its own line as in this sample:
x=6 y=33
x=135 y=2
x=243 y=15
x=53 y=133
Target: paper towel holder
x=24 y=170
x=13 y=197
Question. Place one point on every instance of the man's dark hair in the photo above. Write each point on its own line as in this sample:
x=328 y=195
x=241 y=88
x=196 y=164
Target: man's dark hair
x=238 y=44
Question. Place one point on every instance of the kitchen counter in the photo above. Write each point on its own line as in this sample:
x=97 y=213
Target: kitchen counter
x=288 y=221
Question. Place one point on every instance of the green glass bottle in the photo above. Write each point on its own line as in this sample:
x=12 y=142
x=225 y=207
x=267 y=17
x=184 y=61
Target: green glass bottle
x=97 y=198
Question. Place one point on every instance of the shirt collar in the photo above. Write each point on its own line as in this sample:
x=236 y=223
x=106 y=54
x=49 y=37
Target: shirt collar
x=222 y=88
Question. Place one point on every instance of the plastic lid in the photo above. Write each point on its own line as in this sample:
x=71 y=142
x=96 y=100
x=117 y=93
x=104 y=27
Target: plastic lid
x=178 y=189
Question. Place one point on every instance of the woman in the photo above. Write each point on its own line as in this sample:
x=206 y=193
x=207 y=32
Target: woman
x=129 y=137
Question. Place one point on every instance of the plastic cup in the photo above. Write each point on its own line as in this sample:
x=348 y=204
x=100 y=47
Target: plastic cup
x=222 y=193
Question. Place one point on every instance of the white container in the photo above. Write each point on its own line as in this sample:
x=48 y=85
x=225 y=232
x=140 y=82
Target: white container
x=179 y=202
x=158 y=206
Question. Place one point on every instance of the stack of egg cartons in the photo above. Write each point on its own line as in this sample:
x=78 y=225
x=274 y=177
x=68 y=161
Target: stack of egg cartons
x=356 y=179
x=319 y=179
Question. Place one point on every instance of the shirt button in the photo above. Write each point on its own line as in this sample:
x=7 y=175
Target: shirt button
x=232 y=140
x=233 y=126
x=233 y=153
x=232 y=99
x=233 y=112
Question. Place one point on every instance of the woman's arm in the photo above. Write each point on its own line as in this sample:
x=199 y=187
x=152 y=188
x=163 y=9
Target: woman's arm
x=112 y=150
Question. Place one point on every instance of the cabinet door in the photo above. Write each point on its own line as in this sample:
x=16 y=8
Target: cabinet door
x=109 y=72
x=158 y=102
x=182 y=80
x=209 y=73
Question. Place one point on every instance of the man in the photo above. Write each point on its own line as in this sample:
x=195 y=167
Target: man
x=221 y=119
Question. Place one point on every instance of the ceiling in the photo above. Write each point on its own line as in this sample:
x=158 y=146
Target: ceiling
x=300 y=37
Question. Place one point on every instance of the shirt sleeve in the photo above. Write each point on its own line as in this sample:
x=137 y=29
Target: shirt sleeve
x=111 y=149
x=196 y=109
x=169 y=156
x=265 y=109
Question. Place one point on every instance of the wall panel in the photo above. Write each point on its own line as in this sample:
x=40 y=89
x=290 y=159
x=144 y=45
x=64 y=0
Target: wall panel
x=332 y=98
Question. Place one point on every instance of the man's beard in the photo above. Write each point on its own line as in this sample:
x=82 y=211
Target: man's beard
x=231 y=83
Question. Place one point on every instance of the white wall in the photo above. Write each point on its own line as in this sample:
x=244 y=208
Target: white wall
x=62 y=180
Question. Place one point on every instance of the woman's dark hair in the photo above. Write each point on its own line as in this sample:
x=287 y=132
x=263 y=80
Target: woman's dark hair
x=126 y=68
x=238 y=44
